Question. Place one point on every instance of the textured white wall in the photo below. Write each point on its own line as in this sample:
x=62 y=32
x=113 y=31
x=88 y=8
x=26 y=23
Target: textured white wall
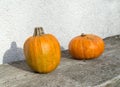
x=63 y=18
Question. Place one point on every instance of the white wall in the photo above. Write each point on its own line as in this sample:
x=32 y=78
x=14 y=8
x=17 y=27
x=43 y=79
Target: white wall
x=63 y=18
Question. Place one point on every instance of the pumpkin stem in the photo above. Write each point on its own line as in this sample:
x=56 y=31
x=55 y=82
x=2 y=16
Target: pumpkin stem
x=83 y=35
x=38 y=31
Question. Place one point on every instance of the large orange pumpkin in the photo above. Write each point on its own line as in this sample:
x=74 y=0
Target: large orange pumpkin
x=86 y=46
x=42 y=51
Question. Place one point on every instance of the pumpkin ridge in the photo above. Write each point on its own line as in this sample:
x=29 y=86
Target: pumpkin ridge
x=53 y=46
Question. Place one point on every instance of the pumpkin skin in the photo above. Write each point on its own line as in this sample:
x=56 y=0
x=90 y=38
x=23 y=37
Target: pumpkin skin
x=86 y=46
x=42 y=51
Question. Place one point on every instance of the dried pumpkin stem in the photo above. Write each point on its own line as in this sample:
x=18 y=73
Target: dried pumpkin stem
x=83 y=35
x=38 y=31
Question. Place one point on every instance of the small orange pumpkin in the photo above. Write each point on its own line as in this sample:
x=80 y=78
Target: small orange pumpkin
x=42 y=51
x=86 y=46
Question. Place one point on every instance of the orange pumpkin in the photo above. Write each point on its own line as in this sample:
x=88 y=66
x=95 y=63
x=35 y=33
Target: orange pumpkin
x=42 y=51
x=86 y=46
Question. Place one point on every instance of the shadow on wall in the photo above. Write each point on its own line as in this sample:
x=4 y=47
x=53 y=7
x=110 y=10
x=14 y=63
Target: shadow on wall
x=14 y=53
